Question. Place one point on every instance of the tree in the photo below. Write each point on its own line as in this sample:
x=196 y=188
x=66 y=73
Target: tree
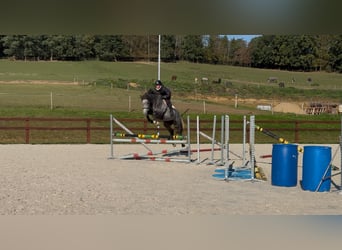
x=239 y=53
x=262 y=52
x=168 y=48
x=323 y=43
x=213 y=53
x=192 y=48
x=109 y=47
x=335 y=53
x=287 y=52
x=13 y=46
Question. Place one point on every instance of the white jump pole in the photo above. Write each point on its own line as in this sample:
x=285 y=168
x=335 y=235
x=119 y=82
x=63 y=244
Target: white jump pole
x=244 y=142
x=222 y=139
x=159 y=39
x=198 y=140
x=227 y=137
x=111 y=136
x=213 y=141
x=251 y=144
x=188 y=137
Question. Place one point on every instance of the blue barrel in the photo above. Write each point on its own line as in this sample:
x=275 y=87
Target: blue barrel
x=316 y=161
x=284 y=165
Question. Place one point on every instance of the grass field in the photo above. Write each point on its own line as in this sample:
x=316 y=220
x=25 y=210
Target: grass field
x=103 y=86
x=97 y=89
x=145 y=72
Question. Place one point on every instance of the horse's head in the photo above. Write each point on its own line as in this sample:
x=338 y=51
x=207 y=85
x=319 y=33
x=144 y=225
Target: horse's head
x=146 y=102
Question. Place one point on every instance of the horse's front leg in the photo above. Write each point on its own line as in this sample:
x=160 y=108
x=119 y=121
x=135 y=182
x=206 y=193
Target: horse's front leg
x=149 y=119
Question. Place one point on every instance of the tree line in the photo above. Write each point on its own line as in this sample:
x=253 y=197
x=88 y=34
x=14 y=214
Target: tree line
x=286 y=52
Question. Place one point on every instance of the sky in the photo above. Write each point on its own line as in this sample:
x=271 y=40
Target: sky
x=247 y=38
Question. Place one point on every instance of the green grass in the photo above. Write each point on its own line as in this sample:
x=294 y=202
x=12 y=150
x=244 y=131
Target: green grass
x=89 y=71
x=103 y=86
x=97 y=89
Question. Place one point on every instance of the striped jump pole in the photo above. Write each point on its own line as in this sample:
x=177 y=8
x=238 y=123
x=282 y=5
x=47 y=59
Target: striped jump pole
x=276 y=137
x=130 y=137
x=113 y=119
x=163 y=152
x=143 y=136
x=164 y=159
x=157 y=141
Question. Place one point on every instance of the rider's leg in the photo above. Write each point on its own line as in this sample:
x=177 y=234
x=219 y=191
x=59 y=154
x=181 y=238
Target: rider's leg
x=169 y=104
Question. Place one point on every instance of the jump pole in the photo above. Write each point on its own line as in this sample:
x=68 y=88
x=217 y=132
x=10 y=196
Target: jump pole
x=165 y=159
x=225 y=139
x=188 y=137
x=329 y=166
x=111 y=136
x=223 y=145
x=213 y=141
x=251 y=145
x=152 y=154
x=198 y=140
x=244 y=141
x=157 y=141
x=229 y=169
x=112 y=118
x=146 y=139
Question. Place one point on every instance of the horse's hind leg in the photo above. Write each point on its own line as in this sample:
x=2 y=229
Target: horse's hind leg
x=178 y=124
x=169 y=128
x=167 y=125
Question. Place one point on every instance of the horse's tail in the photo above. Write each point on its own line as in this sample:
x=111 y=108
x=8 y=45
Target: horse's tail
x=179 y=124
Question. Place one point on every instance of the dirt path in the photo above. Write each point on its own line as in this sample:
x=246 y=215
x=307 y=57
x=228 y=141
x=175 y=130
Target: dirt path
x=81 y=180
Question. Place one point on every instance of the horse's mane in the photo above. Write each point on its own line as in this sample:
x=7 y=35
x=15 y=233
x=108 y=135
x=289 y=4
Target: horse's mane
x=151 y=97
x=147 y=96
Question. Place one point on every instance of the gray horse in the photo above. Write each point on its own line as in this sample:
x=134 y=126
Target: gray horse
x=154 y=106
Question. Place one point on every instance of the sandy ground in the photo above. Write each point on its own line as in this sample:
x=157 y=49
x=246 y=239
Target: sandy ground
x=83 y=180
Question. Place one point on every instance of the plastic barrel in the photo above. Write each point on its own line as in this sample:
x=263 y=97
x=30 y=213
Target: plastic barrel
x=284 y=165
x=316 y=160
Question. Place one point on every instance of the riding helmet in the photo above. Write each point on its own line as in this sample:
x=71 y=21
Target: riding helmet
x=158 y=82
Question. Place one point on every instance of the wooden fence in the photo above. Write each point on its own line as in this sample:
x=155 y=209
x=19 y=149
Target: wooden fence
x=94 y=130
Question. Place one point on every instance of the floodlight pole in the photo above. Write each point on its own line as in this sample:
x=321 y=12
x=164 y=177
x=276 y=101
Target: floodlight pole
x=158 y=57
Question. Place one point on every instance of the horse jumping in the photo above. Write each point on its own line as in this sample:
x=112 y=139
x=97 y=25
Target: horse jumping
x=154 y=106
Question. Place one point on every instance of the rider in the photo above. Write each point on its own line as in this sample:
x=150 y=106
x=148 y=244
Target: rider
x=160 y=89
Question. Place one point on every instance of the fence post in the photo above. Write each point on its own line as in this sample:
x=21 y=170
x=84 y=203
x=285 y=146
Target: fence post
x=27 y=130
x=88 y=130
x=145 y=126
x=296 y=131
